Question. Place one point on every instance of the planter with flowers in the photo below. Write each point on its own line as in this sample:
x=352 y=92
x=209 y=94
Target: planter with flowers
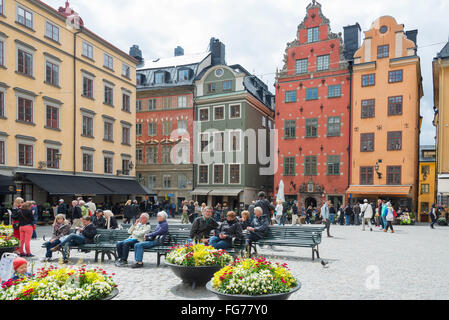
x=254 y=279
x=52 y=283
x=196 y=263
x=8 y=243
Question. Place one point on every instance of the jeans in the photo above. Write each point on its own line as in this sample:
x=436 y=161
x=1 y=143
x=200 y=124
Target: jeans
x=332 y=217
x=73 y=239
x=141 y=246
x=356 y=219
x=328 y=227
x=34 y=236
x=50 y=245
x=384 y=222
x=218 y=243
x=123 y=248
x=217 y=217
x=389 y=225
x=347 y=219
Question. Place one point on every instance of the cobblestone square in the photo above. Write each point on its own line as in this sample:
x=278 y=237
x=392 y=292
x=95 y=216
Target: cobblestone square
x=412 y=263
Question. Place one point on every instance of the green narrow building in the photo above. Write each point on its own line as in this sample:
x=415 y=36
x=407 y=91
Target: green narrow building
x=234 y=158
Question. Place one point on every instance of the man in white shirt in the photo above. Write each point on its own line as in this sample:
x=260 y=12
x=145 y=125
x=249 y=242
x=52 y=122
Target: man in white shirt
x=366 y=213
x=92 y=207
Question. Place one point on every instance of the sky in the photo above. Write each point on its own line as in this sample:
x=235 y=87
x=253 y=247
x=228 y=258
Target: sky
x=256 y=32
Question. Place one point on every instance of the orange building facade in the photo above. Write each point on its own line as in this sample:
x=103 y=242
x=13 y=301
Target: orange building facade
x=387 y=88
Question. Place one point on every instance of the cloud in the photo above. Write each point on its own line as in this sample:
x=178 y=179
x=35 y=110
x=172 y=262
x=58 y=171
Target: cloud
x=256 y=31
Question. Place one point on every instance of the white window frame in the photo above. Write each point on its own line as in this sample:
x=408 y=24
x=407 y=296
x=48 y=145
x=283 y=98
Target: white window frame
x=3 y=139
x=124 y=126
x=88 y=46
x=203 y=165
x=320 y=62
x=240 y=173
x=85 y=114
x=213 y=173
x=230 y=132
x=128 y=69
x=183 y=99
x=3 y=90
x=150 y=134
x=28 y=97
x=30 y=52
x=53 y=26
x=91 y=153
x=108 y=61
x=26 y=10
x=230 y=114
x=208 y=114
x=152 y=177
x=208 y=142
x=85 y=75
x=29 y=143
x=58 y=64
x=128 y=94
x=169 y=176
x=224 y=112
x=222 y=142
x=109 y=86
x=56 y=147
x=3 y=51
x=111 y=122
x=111 y=157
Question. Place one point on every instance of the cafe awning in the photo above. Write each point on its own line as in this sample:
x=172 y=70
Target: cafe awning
x=7 y=185
x=380 y=190
x=226 y=192
x=200 y=192
x=77 y=185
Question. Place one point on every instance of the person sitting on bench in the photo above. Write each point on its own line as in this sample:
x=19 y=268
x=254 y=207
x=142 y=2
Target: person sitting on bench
x=82 y=236
x=153 y=239
x=203 y=226
x=228 y=230
x=257 y=229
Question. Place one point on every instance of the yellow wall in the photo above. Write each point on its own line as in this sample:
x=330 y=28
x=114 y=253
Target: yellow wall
x=430 y=180
x=367 y=62
x=65 y=93
x=441 y=100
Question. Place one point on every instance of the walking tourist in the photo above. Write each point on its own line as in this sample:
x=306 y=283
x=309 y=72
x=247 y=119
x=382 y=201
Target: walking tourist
x=26 y=227
x=202 y=227
x=92 y=207
x=357 y=211
x=228 y=230
x=153 y=239
x=279 y=212
x=257 y=229
x=203 y=207
x=266 y=206
x=82 y=235
x=332 y=213
x=309 y=213
x=295 y=211
x=325 y=216
x=185 y=213
x=348 y=214
x=128 y=211
x=76 y=215
x=137 y=234
x=389 y=218
x=366 y=214
x=433 y=215
x=84 y=209
x=191 y=211
x=62 y=208
x=61 y=229
x=341 y=215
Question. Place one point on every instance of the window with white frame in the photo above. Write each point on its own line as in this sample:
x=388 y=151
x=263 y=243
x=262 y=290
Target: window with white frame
x=26 y=154
x=301 y=66
x=152 y=155
x=234 y=173
x=203 y=176
x=125 y=166
x=126 y=135
x=151 y=182
x=108 y=61
x=88 y=126
x=139 y=155
x=25 y=109
x=108 y=164
x=126 y=102
x=235 y=139
x=182 y=102
x=219 y=173
x=88 y=50
x=235 y=111
x=138 y=106
x=2 y=103
x=52 y=116
x=312 y=34
x=165 y=155
x=2 y=7
x=108 y=94
x=2 y=51
x=52 y=157
x=166 y=181
x=108 y=131
x=323 y=62
x=51 y=72
x=166 y=128
x=25 y=17
x=219 y=113
x=24 y=62
x=204 y=114
x=219 y=141
x=52 y=31
x=88 y=162
x=152 y=129
x=88 y=86
x=204 y=142
x=126 y=70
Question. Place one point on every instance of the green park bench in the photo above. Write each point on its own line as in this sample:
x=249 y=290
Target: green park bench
x=302 y=236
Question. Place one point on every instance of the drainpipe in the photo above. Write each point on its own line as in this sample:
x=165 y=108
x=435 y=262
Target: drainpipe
x=74 y=101
x=350 y=68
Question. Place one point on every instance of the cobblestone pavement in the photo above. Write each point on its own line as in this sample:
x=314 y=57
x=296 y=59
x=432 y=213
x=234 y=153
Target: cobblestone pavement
x=412 y=263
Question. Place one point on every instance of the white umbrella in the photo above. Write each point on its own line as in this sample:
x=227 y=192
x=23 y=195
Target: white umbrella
x=280 y=195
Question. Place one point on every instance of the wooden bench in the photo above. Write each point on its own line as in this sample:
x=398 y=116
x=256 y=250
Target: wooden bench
x=302 y=236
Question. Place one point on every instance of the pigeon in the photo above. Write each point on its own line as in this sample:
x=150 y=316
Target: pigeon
x=324 y=264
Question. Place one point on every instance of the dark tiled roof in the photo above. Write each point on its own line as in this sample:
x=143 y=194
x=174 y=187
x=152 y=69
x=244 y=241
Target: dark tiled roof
x=426 y=148
x=444 y=53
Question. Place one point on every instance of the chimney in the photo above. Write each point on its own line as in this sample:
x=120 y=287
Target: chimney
x=136 y=53
x=218 y=50
x=412 y=35
x=352 y=40
x=179 y=51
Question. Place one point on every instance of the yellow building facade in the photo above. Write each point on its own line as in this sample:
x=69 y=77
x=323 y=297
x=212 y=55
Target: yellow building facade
x=427 y=178
x=67 y=104
x=387 y=88
x=441 y=121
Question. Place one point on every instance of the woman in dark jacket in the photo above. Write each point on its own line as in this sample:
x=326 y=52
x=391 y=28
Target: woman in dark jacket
x=61 y=228
x=128 y=211
x=15 y=214
x=228 y=230
x=111 y=222
x=26 y=227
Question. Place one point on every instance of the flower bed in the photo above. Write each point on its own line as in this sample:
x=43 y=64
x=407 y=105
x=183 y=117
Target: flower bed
x=60 y=284
x=9 y=242
x=254 y=277
x=6 y=230
x=194 y=255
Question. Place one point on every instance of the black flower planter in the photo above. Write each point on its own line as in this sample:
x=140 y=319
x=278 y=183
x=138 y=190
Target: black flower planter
x=197 y=276
x=277 y=296
x=112 y=295
x=7 y=250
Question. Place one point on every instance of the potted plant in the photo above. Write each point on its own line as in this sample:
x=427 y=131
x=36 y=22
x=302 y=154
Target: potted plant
x=254 y=279
x=196 y=263
x=52 y=283
x=8 y=243
x=442 y=222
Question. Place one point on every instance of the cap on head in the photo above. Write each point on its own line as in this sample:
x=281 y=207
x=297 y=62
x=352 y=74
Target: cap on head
x=18 y=262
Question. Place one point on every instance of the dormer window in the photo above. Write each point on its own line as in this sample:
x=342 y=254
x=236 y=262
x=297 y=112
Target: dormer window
x=159 y=78
x=184 y=75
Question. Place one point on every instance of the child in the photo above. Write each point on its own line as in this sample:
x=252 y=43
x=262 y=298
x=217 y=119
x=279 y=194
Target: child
x=20 y=270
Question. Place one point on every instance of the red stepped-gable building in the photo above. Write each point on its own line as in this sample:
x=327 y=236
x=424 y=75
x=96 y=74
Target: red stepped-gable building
x=313 y=113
